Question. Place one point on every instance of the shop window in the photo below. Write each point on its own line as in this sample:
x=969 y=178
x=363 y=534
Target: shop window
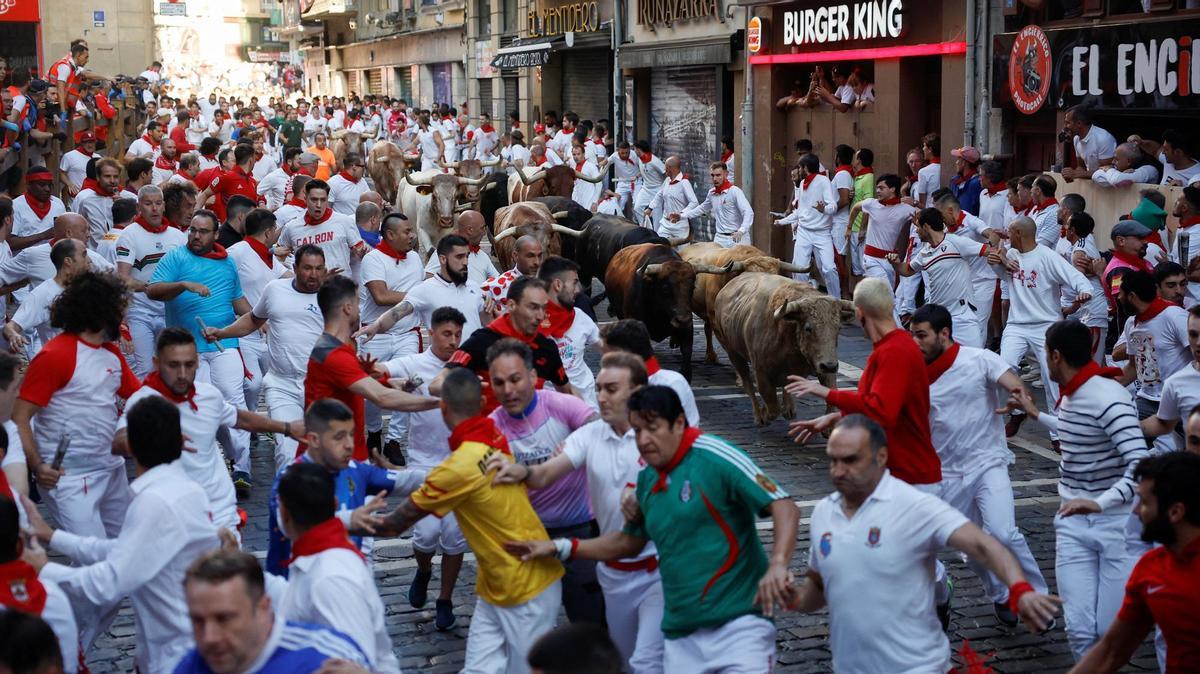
x=1021 y=13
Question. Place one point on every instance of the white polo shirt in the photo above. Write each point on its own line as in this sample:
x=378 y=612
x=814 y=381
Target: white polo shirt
x=479 y=268
x=206 y=465
x=1180 y=394
x=436 y=292
x=26 y=222
x=1096 y=145
x=143 y=250
x=881 y=563
x=253 y=273
x=947 y=270
x=34 y=312
x=967 y=433
x=427 y=433
x=294 y=321
x=678 y=383
x=398 y=275
x=1158 y=349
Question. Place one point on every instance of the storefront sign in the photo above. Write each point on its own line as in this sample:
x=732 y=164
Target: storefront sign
x=579 y=17
x=870 y=20
x=19 y=10
x=754 y=33
x=522 y=57
x=654 y=13
x=172 y=9
x=1124 y=67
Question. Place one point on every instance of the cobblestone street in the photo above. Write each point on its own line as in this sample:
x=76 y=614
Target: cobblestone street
x=803 y=644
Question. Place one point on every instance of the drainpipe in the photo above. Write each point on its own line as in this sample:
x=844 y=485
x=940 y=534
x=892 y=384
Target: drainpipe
x=969 y=117
x=985 y=86
x=618 y=35
x=746 y=166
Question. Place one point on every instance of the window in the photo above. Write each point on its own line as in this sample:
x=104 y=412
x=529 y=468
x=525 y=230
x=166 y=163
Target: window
x=483 y=17
x=509 y=10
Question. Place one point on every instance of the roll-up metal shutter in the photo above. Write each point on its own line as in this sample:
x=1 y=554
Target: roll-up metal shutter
x=352 y=82
x=587 y=83
x=486 y=103
x=374 y=81
x=683 y=123
x=511 y=96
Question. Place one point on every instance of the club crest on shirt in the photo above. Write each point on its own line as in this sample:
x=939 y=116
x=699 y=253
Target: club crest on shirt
x=765 y=482
x=685 y=492
x=826 y=544
x=19 y=591
x=873 y=537
x=350 y=484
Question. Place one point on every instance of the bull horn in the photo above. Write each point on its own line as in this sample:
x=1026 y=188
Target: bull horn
x=736 y=267
x=652 y=270
x=789 y=268
x=703 y=268
x=505 y=234
x=847 y=309
x=560 y=215
x=529 y=180
x=788 y=308
x=473 y=182
x=680 y=241
x=580 y=176
x=492 y=162
x=445 y=165
x=462 y=208
x=422 y=181
x=566 y=230
x=491 y=185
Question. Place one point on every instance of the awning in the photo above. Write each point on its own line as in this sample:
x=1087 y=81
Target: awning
x=525 y=55
x=702 y=51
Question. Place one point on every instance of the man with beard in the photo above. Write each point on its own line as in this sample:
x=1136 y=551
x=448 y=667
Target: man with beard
x=527 y=256
x=1162 y=590
x=166 y=163
x=470 y=226
x=1181 y=391
x=447 y=288
x=571 y=329
x=95 y=199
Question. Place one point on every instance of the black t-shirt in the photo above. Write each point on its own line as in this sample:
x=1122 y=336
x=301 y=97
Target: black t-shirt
x=227 y=235
x=472 y=354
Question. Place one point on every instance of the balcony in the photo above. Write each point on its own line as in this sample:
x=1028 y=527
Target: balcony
x=331 y=9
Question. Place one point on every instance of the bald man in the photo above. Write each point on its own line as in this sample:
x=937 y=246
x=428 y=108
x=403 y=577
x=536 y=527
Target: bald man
x=373 y=197
x=1130 y=166
x=676 y=196
x=368 y=216
x=528 y=256
x=470 y=226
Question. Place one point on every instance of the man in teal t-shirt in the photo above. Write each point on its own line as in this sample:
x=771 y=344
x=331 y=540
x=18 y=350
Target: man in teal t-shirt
x=699 y=498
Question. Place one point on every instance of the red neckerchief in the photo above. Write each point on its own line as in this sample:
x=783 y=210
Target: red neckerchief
x=39 y=208
x=689 y=438
x=295 y=201
x=479 y=429
x=83 y=152
x=911 y=179
x=889 y=202
x=725 y=155
x=866 y=170
x=166 y=164
x=504 y=326
x=580 y=165
x=676 y=179
x=258 y=156
x=1132 y=260
x=722 y=187
x=935 y=160
x=842 y=167
x=964 y=177
x=645 y=157
x=539 y=162
x=20 y=588
x=942 y=363
x=154 y=381
x=218 y=252
x=386 y=248
x=146 y=137
x=962 y=215
x=473 y=248
x=162 y=226
x=328 y=535
x=308 y=219
x=93 y=185
x=183 y=174
x=1156 y=307
x=1043 y=205
x=347 y=176
x=287 y=170
x=487 y=128
x=1190 y=220
x=987 y=191
x=806 y=180
x=210 y=157
x=652 y=366
x=558 y=320
x=264 y=253
x=1091 y=369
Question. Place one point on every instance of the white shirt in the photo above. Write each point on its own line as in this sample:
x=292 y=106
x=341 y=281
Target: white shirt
x=572 y=347
x=336 y=588
x=612 y=462
x=343 y=194
x=427 y=432
x=1185 y=176
x=142 y=148
x=1046 y=220
x=435 y=292
x=397 y=275
x=74 y=164
x=653 y=173
x=263 y=166
x=1158 y=349
x=804 y=215
x=142 y=250
x=34 y=312
x=197 y=130
x=1035 y=287
x=947 y=271
x=1097 y=145
x=97 y=210
x=842 y=180
x=289 y=212
x=253 y=273
x=729 y=209
x=206 y=465
x=625 y=172
x=26 y=222
x=1094 y=312
x=885 y=222
x=993 y=209
x=975 y=229
x=561 y=143
x=295 y=324
x=967 y=433
x=881 y=563
x=34 y=263
x=223 y=131
x=273 y=187
x=675 y=196
x=1111 y=177
x=517 y=155
x=929 y=180
x=678 y=383
x=167 y=527
x=480 y=268
x=337 y=235
x=586 y=193
x=1180 y=394
x=1179 y=255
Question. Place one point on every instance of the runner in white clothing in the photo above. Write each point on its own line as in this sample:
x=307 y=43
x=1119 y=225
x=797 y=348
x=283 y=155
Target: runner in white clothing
x=1044 y=211
x=1083 y=255
x=334 y=233
x=471 y=226
x=728 y=206
x=675 y=196
x=983 y=275
x=34 y=211
x=95 y=200
x=571 y=329
x=348 y=185
x=885 y=220
x=811 y=221
x=652 y=173
x=70 y=260
x=1181 y=391
x=626 y=172
x=587 y=189
x=607 y=449
x=257 y=267
x=630 y=336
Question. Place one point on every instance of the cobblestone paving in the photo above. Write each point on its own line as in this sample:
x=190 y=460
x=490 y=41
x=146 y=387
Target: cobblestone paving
x=803 y=640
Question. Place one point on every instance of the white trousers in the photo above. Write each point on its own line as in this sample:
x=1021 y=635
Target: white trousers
x=906 y=294
x=254 y=354
x=985 y=292
x=91 y=504
x=839 y=236
x=877 y=267
x=144 y=329
x=965 y=325
x=1092 y=564
x=856 y=255
x=500 y=637
x=725 y=240
x=809 y=243
x=744 y=645
x=1019 y=339
x=986 y=498
x=432 y=535
x=226 y=370
x=633 y=609
x=285 y=402
x=641 y=199
x=382 y=348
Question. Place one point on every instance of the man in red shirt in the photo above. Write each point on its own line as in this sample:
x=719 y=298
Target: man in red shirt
x=1163 y=588
x=236 y=181
x=334 y=368
x=224 y=164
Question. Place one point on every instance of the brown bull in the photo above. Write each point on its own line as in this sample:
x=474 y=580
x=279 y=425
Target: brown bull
x=553 y=181
x=528 y=217
x=387 y=164
x=773 y=327
x=345 y=142
x=472 y=169
x=741 y=258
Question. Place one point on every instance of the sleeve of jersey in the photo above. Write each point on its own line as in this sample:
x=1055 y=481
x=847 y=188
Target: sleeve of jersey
x=49 y=371
x=343 y=369
x=745 y=481
x=638 y=528
x=1134 y=609
x=575 y=449
x=262 y=308
x=937 y=518
x=446 y=486
x=553 y=371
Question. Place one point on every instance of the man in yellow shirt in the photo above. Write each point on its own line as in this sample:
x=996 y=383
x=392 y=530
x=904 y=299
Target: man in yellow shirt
x=518 y=601
x=328 y=163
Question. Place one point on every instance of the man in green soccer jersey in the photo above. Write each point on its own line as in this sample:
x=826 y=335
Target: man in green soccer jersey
x=698 y=500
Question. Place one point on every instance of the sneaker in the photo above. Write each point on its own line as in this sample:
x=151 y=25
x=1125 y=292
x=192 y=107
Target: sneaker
x=393 y=453
x=418 y=592
x=445 y=615
x=1005 y=615
x=242 y=483
x=1013 y=425
x=1056 y=446
x=943 y=610
x=374 y=441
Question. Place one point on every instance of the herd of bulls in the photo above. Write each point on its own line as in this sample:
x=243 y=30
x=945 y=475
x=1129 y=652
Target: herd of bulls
x=770 y=325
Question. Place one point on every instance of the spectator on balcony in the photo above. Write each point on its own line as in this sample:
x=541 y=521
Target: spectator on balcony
x=1094 y=147
x=1185 y=249
x=1176 y=154
x=1130 y=165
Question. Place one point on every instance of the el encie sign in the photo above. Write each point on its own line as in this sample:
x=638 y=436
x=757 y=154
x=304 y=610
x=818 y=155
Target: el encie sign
x=869 y=20
x=654 y=13
x=579 y=17
x=1166 y=67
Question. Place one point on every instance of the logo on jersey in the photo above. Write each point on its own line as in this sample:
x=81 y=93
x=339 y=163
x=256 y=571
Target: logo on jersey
x=873 y=537
x=19 y=591
x=826 y=544
x=350 y=485
x=765 y=482
x=685 y=492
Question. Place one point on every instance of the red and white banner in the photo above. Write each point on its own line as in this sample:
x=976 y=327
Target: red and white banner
x=19 y=10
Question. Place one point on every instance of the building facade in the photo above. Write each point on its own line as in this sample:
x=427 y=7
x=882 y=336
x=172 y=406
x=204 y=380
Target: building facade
x=120 y=33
